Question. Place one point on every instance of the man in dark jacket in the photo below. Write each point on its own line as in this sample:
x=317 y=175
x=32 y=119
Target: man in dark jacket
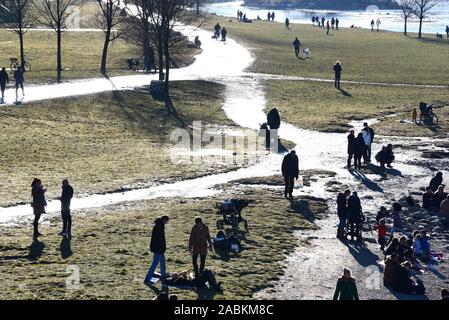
x=274 y=119
x=158 y=247
x=359 y=149
x=290 y=171
x=355 y=216
x=342 y=211
x=4 y=80
x=19 y=79
x=297 y=46
x=436 y=181
x=199 y=244
x=66 y=198
x=337 y=71
x=351 y=147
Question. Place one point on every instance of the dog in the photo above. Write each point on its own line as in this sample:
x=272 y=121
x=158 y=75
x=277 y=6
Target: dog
x=307 y=53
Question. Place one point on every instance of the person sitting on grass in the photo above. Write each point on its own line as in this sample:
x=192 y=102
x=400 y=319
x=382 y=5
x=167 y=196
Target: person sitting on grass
x=381 y=214
x=405 y=284
x=417 y=249
x=444 y=210
x=439 y=196
x=425 y=245
x=346 y=288
x=393 y=247
x=397 y=217
x=385 y=156
x=183 y=279
x=428 y=199
x=391 y=270
x=444 y=294
x=405 y=250
x=436 y=181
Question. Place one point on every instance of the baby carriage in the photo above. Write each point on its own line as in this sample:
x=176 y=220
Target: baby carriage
x=230 y=210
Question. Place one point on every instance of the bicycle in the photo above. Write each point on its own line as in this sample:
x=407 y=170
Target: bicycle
x=15 y=64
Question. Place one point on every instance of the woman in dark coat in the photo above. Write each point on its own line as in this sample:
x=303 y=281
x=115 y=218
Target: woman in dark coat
x=274 y=119
x=346 y=288
x=351 y=147
x=404 y=283
x=39 y=203
x=436 y=181
x=359 y=149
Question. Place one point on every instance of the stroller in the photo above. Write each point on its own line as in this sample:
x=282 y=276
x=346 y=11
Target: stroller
x=230 y=210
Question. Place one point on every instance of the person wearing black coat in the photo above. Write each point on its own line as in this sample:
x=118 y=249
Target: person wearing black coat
x=404 y=283
x=355 y=216
x=436 y=181
x=337 y=71
x=66 y=198
x=4 y=80
x=342 y=211
x=351 y=147
x=274 y=119
x=290 y=171
x=428 y=199
x=158 y=247
x=359 y=150
x=39 y=203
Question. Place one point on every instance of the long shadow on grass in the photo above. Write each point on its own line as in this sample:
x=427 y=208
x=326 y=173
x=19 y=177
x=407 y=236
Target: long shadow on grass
x=345 y=93
x=370 y=184
x=35 y=250
x=302 y=207
x=65 y=248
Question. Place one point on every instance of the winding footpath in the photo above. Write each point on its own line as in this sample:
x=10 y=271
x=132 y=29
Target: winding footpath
x=311 y=270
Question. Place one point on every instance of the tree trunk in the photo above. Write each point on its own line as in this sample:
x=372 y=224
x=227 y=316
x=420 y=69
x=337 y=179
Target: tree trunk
x=160 y=52
x=22 y=50
x=105 y=51
x=405 y=26
x=146 y=43
x=420 y=27
x=59 y=55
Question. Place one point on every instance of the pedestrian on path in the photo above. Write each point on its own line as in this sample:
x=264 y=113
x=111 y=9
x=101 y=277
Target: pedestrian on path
x=328 y=27
x=351 y=148
x=290 y=171
x=346 y=288
x=66 y=198
x=199 y=243
x=158 y=248
x=4 y=80
x=378 y=23
x=372 y=25
x=297 y=46
x=342 y=212
x=19 y=79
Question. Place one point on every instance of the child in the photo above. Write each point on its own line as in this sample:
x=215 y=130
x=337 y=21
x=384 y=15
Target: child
x=425 y=245
x=414 y=115
x=382 y=233
x=417 y=248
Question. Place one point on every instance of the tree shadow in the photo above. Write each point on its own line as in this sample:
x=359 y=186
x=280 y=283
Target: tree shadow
x=172 y=110
x=65 y=248
x=370 y=184
x=105 y=75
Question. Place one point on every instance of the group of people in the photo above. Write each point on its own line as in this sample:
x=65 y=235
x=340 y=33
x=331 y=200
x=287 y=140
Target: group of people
x=350 y=215
x=377 y=23
x=200 y=243
x=360 y=147
x=219 y=31
x=241 y=17
x=270 y=16
x=436 y=199
x=19 y=80
x=329 y=24
x=39 y=203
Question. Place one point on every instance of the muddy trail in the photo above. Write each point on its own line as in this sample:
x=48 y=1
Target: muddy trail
x=310 y=271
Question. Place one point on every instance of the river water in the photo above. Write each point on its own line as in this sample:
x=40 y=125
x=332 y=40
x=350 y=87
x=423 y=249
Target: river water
x=390 y=19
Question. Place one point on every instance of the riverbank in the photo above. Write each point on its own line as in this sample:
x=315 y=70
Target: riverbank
x=322 y=4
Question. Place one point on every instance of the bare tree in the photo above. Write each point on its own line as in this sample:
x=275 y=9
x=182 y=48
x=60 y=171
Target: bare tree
x=407 y=10
x=110 y=17
x=55 y=15
x=22 y=16
x=422 y=8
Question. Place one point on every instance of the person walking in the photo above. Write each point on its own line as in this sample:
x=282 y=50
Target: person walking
x=224 y=34
x=368 y=137
x=66 y=198
x=217 y=31
x=19 y=80
x=355 y=216
x=157 y=247
x=39 y=203
x=337 y=22
x=199 y=243
x=378 y=23
x=346 y=288
x=328 y=27
x=351 y=148
x=322 y=22
x=447 y=31
x=290 y=171
x=337 y=71
x=269 y=16
x=342 y=212
x=372 y=25
x=287 y=23
x=297 y=46
x=333 y=23
x=4 y=80
x=272 y=16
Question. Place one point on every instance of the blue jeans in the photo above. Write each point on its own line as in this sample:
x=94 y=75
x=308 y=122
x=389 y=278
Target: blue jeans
x=158 y=258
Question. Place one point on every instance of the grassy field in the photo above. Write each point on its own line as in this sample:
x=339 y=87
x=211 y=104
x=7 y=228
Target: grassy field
x=101 y=142
x=365 y=55
x=112 y=254
x=319 y=106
